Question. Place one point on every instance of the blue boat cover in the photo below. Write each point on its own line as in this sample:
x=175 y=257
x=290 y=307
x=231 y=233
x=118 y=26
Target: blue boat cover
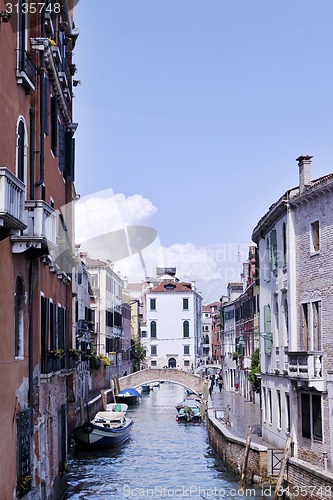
x=132 y=392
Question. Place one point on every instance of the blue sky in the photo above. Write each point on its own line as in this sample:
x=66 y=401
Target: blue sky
x=201 y=108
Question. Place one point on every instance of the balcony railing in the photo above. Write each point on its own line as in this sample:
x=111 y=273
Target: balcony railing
x=11 y=200
x=41 y=230
x=305 y=366
x=26 y=72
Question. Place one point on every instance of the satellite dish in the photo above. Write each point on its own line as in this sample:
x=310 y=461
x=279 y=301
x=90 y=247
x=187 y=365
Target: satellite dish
x=120 y=244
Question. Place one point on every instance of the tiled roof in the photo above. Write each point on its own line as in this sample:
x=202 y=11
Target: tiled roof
x=134 y=286
x=177 y=287
x=94 y=262
x=235 y=285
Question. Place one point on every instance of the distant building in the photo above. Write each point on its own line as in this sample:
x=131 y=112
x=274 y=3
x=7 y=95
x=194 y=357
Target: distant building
x=107 y=303
x=205 y=352
x=171 y=329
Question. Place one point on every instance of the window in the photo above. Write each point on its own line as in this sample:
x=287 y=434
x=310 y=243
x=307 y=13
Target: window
x=278 y=393
x=152 y=303
x=54 y=126
x=185 y=304
x=268 y=331
x=286 y=321
x=153 y=329
x=316 y=329
x=270 y=409
x=264 y=412
x=186 y=329
x=21 y=151
x=314 y=237
x=187 y=362
x=153 y=350
x=153 y=363
x=186 y=350
x=311 y=417
x=143 y=333
x=19 y=318
x=304 y=327
x=94 y=280
x=273 y=250
x=288 y=413
x=284 y=243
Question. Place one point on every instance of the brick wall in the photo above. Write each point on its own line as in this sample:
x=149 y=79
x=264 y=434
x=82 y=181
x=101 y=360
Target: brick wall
x=314 y=282
x=307 y=481
x=232 y=449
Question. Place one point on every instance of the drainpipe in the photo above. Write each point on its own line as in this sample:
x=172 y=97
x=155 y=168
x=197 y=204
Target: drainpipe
x=30 y=342
x=40 y=182
x=292 y=319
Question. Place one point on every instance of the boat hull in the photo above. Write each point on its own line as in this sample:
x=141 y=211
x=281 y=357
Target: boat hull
x=90 y=435
x=129 y=400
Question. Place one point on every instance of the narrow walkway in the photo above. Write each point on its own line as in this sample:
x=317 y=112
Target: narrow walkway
x=242 y=414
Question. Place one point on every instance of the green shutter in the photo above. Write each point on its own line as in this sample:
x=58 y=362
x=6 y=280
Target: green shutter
x=273 y=249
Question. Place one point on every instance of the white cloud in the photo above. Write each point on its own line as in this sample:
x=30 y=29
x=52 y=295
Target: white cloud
x=104 y=212
x=103 y=227
x=212 y=267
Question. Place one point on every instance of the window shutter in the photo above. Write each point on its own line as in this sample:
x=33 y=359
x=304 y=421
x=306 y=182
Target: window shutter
x=61 y=328
x=61 y=147
x=69 y=156
x=273 y=243
x=54 y=126
x=45 y=106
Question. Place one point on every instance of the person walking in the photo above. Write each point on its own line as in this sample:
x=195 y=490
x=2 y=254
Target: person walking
x=220 y=381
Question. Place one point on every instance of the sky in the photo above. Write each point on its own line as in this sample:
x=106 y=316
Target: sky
x=191 y=114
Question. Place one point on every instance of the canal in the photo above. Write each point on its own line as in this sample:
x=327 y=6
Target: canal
x=162 y=459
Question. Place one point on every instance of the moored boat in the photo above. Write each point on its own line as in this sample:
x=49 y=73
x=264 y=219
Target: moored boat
x=107 y=430
x=188 y=411
x=128 y=396
x=146 y=388
x=117 y=407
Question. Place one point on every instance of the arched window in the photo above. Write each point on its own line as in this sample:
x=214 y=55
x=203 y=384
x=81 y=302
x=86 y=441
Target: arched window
x=186 y=329
x=21 y=150
x=153 y=329
x=286 y=321
x=19 y=318
x=172 y=363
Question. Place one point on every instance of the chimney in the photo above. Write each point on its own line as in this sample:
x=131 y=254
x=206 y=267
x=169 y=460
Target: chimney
x=304 y=165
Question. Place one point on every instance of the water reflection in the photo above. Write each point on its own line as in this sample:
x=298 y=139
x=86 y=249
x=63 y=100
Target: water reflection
x=163 y=459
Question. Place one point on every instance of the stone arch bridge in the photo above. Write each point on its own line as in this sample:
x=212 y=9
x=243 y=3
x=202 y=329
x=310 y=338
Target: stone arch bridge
x=193 y=382
x=210 y=368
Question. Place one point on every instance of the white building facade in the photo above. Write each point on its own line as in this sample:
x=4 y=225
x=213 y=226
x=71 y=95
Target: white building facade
x=172 y=331
x=296 y=302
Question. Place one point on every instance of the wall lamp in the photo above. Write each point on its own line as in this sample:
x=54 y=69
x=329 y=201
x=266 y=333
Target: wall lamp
x=4 y=16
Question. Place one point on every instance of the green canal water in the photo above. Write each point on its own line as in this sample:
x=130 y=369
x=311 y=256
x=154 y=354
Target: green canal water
x=163 y=459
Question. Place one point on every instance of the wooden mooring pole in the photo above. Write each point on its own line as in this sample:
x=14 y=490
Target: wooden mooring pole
x=282 y=470
x=246 y=457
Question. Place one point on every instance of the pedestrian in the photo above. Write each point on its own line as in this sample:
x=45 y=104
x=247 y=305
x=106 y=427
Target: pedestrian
x=211 y=386
x=216 y=378
x=220 y=381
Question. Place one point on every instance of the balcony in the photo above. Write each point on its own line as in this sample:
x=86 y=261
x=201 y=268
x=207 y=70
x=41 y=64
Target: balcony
x=307 y=367
x=39 y=237
x=26 y=72
x=11 y=202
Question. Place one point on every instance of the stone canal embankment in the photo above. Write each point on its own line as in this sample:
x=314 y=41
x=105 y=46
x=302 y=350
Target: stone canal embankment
x=229 y=416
